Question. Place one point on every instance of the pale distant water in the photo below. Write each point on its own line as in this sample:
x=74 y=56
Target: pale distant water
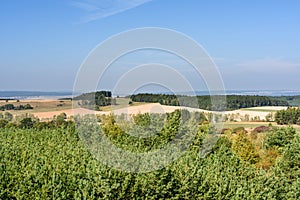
x=58 y=95
x=22 y=95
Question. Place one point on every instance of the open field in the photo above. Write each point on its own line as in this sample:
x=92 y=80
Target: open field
x=121 y=103
x=39 y=105
x=247 y=125
x=46 y=109
x=251 y=125
x=266 y=108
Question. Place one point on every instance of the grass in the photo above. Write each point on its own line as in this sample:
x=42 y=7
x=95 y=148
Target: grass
x=121 y=103
x=259 y=110
x=39 y=106
x=247 y=124
x=252 y=125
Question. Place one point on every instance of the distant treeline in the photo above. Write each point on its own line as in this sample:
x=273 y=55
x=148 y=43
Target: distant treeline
x=12 y=107
x=289 y=116
x=6 y=99
x=93 y=100
x=204 y=102
x=292 y=100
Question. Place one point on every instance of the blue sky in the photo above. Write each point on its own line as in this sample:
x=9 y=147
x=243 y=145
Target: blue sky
x=255 y=44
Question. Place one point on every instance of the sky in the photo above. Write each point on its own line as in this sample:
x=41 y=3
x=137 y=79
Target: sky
x=254 y=44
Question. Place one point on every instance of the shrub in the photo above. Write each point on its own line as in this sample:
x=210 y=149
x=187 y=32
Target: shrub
x=238 y=130
x=3 y=123
x=261 y=129
x=243 y=146
x=280 y=137
x=26 y=123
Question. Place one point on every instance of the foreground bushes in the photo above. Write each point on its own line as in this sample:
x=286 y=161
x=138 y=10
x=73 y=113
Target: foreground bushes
x=52 y=163
x=289 y=116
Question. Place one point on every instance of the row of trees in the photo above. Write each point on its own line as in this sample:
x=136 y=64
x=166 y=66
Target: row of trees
x=13 y=107
x=28 y=121
x=232 y=102
x=289 y=116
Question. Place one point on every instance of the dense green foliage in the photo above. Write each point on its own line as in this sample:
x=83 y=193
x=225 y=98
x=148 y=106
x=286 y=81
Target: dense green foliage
x=292 y=100
x=53 y=163
x=13 y=107
x=289 y=116
x=204 y=102
x=280 y=138
x=93 y=100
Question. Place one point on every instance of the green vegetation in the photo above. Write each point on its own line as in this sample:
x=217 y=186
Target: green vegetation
x=292 y=100
x=47 y=160
x=234 y=102
x=260 y=110
x=289 y=116
x=12 y=107
x=121 y=102
x=6 y=116
x=94 y=100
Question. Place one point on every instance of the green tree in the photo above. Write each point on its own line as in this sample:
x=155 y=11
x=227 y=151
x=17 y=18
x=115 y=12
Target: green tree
x=280 y=137
x=3 y=123
x=290 y=160
x=142 y=119
x=243 y=146
x=60 y=119
x=26 y=123
x=8 y=116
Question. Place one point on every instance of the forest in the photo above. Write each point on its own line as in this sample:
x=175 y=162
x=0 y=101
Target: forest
x=234 y=102
x=50 y=160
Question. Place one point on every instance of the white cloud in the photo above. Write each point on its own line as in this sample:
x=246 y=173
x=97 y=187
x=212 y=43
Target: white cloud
x=98 y=9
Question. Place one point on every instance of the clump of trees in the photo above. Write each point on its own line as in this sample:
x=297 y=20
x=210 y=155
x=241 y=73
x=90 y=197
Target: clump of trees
x=13 y=107
x=94 y=100
x=289 y=116
x=234 y=102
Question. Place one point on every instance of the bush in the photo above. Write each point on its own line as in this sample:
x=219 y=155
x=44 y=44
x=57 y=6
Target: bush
x=238 y=130
x=261 y=129
x=290 y=160
x=3 y=123
x=26 y=123
x=280 y=137
x=243 y=146
x=142 y=119
x=8 y=116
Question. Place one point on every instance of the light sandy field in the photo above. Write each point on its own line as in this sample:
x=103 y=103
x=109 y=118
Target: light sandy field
x=135 y=109
x=267 y=108
x=46 y=109
x=157 y=108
